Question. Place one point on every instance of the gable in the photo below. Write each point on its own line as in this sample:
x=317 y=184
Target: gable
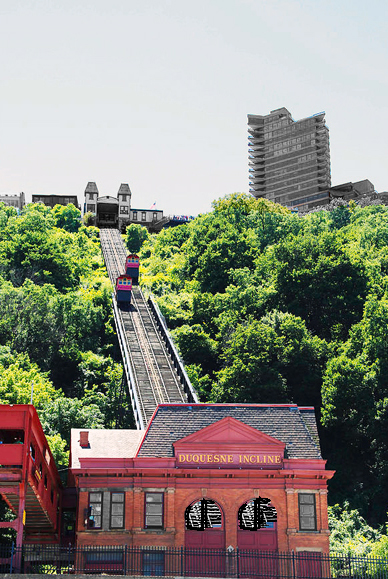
x=229 y=443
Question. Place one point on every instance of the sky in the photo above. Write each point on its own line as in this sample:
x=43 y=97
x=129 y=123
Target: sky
x=155 y=93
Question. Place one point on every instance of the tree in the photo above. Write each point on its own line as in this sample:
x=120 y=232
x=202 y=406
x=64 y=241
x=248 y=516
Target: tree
x=196 y=346
x=250 y=372
x=58 y=449
x=89 y=219
x=355 y=411
x=67 y=217
x=136 y=236
x=350 y=534
x=63 y=414
x=275 y=358
x=20 y=379
x=316 y=279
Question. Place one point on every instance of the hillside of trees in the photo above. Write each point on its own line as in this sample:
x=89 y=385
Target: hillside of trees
x=267 y=306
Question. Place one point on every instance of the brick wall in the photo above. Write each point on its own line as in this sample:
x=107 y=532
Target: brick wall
x=229 y=498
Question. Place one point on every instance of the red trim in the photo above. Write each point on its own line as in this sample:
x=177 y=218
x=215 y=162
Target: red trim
x=242 y=404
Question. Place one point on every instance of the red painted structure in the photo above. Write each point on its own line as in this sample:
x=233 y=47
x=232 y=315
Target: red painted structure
x=123 y=289
x=132 y=267
x=29 y=480
x=136 y=489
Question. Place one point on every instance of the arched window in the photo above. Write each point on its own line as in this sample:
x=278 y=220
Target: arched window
x=204 y=514
x=257 y=514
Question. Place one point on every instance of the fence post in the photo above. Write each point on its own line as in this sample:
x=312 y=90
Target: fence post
x=237 y=562
x=182 y=568
x=293 y=564
x=11 y=563
x=125 y=560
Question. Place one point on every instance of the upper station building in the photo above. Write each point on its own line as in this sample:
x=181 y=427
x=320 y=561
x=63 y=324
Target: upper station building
x=289 y=160
x=117 y=211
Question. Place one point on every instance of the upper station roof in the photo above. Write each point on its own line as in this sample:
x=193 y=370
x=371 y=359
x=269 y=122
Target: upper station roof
x=124 y=189
x=91 y=187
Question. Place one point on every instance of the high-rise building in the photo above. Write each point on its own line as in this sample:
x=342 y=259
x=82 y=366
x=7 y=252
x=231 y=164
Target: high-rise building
x=289 y=160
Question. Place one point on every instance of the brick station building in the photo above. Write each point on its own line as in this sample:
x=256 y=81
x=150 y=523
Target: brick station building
x=211 y=476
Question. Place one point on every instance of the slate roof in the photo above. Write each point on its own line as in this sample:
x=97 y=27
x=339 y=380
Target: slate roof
x=104 y=444
x=296 y=427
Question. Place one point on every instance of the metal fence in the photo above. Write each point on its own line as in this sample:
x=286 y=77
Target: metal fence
x=181 y=562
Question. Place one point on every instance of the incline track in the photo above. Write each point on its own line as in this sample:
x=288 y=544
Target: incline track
x=154 y=375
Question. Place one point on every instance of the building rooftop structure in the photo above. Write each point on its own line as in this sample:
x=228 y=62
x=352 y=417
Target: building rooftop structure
x=295 y=426
x=117 y=212
x=289 y=160
x=348 y=191
x=99 y=443
x=52 y=200
x=17 y=201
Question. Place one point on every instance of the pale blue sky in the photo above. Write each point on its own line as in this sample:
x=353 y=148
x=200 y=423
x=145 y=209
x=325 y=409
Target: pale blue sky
x=155 y=93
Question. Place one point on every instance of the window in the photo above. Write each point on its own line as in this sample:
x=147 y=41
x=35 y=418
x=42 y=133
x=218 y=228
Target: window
x=117 y=510
x=91 y=207
x=124 y=210
x=46 y=455
x=124 y=198
x=91 y=196
x=154 y=510
x=307 y=512
x=135 y=215
x=204 y=514
x=143 y=216
x=257 y=514
x=95 y=511
x=155 y=216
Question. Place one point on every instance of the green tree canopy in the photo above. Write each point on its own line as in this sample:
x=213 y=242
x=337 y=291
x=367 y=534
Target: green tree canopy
x=135 y=237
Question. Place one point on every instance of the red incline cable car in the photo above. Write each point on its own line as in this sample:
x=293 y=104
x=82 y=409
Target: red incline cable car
x=132 y=267
x=123 y=289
